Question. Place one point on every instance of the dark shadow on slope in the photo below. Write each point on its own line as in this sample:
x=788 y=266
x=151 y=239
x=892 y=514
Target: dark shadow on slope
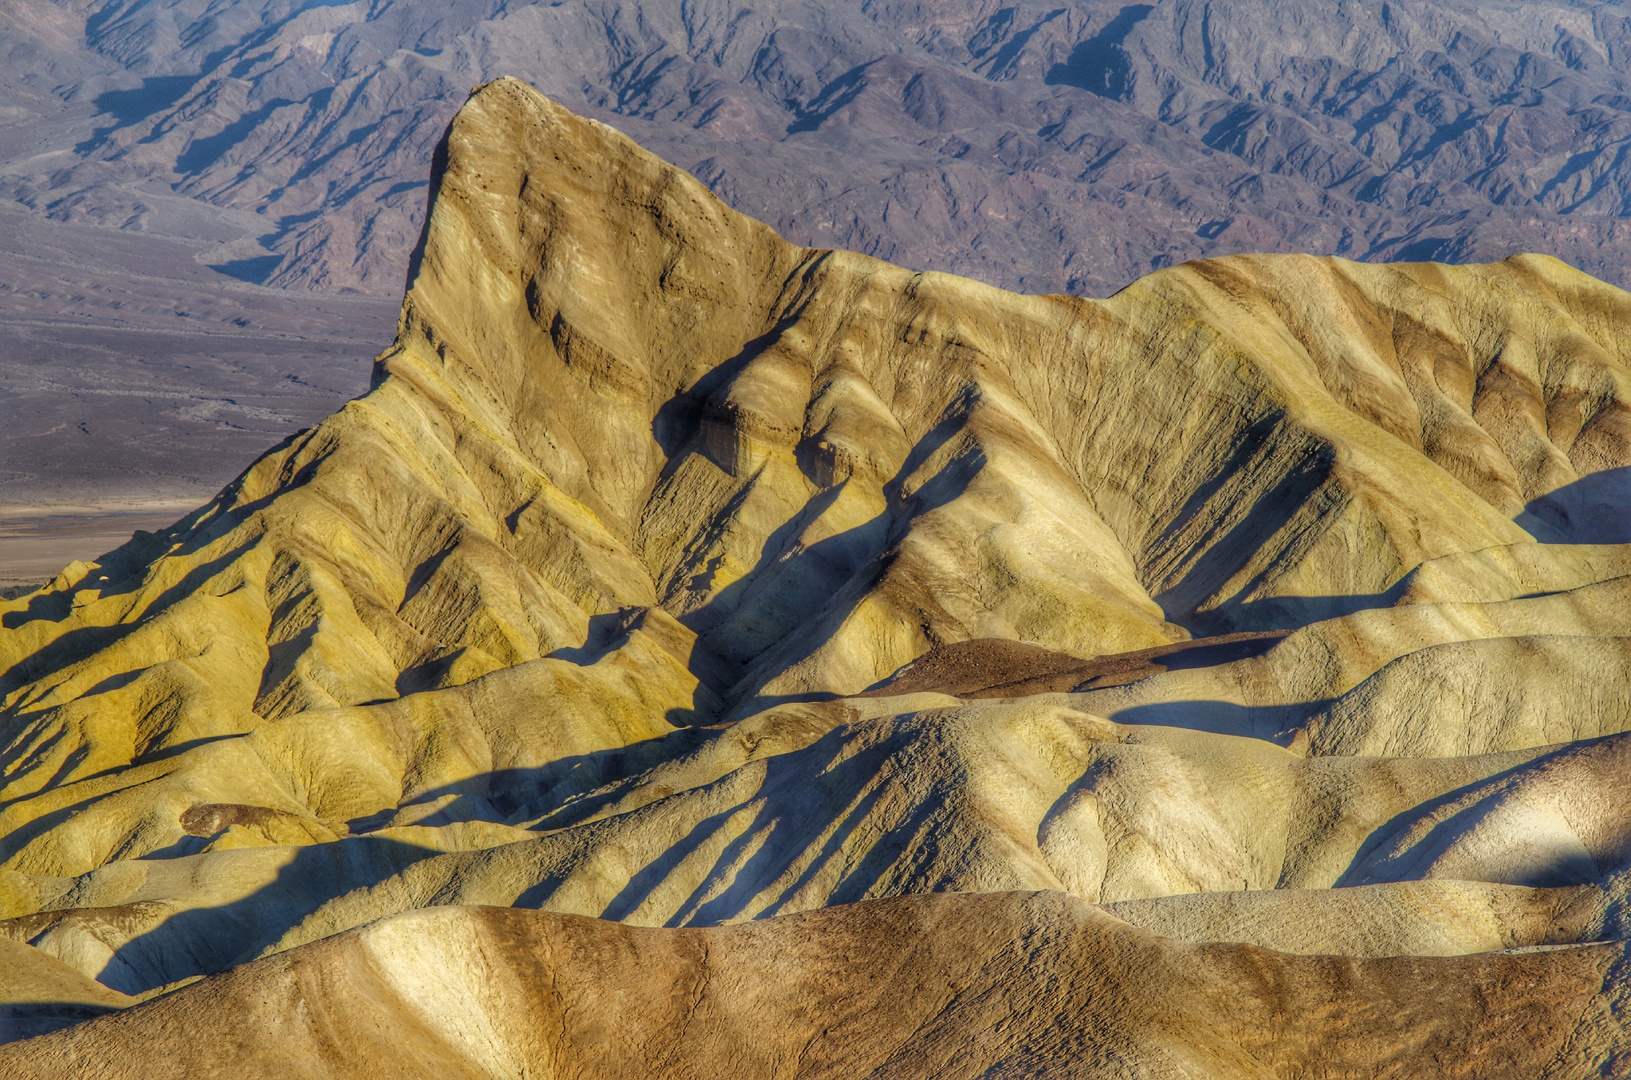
x=1560 y=871
x=815 y=801
x=254 y=271
x=1002 y=668
x=1100 y=65
x=563 y=792
x=1000 y=63
x=1443 y=249
x=26 y=1019
x=416 y=258
x=202 y=153
x=203 y=941
x=813 y=588
x=77 y=644
x=20 y=837
x=650 y=877
x=153 y=96
x=781 y=838
x=572 y=789
x=833 y=97
x=1277 y=724
x=832 y=848
x=1283 y=614
x=606 y=632
x=677 y=425
x=1595 y=509
x=855 y=560
x=1221 y=557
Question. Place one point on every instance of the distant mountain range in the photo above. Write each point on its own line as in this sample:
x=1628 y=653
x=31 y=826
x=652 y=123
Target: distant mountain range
x=1067 y=146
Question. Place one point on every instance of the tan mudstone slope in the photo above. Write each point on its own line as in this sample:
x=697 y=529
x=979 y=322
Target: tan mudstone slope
x=1008 y=984
x=674 y=575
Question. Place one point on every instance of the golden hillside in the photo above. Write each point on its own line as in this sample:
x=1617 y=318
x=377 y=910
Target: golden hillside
x=675 y=575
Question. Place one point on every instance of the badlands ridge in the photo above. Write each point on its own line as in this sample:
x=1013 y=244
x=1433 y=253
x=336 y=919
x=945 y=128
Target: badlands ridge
x=702 y=655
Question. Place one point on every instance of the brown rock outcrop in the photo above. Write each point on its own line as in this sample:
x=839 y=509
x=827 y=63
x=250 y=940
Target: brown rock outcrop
x=1002 y=984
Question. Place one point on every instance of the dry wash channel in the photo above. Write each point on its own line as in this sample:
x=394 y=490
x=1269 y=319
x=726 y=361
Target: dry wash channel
x=1228 y=678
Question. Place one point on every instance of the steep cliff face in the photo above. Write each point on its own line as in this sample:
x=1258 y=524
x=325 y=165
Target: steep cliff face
x=575 y=608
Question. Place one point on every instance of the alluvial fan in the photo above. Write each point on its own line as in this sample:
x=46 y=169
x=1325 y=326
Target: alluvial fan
x=1228 y=678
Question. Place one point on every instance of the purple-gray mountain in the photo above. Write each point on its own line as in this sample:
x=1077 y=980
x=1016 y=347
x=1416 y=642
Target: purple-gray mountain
x=1070 y=145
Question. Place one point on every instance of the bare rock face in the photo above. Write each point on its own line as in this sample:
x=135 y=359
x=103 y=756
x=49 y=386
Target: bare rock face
x=1066 y=146
x=1021 y=984
x=679 y=576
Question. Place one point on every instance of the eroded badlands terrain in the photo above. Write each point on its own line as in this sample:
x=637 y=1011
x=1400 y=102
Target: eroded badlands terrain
x=163 y=160
x=699 y=654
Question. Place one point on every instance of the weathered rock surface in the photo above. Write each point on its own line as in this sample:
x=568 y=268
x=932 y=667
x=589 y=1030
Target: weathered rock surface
x=1065 y=147
x=676 y=575
x=1058 y=147
x=39 y=993
x=1013 y=984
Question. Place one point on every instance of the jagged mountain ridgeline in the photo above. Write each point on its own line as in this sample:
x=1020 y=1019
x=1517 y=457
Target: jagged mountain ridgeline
x=701 y=654
x=1065 y=146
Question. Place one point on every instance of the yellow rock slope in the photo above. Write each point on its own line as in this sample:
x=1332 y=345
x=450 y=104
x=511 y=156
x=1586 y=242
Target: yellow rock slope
x=1278 y=601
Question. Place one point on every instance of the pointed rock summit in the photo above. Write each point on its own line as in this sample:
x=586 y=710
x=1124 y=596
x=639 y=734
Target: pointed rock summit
x=678 y=576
